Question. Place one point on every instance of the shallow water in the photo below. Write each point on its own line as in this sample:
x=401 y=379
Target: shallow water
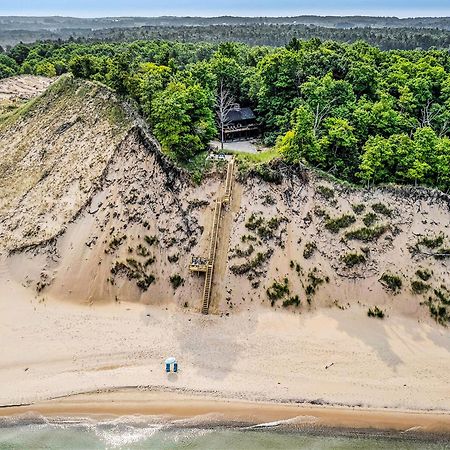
x=154 y=433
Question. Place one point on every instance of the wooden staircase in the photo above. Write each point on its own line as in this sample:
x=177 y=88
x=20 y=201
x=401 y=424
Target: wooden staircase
x=212 y=257
x=229 y=182
x=206 y=265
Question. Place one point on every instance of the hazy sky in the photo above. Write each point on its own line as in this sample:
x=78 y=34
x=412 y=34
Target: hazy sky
x=96 y=8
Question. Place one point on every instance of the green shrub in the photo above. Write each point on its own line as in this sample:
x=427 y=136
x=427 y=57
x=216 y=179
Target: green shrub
x=266 y=173
x=248 y=237
x=150 y=240
x=419 y=287
x=120 y=267
x=133 y=270
x=145 y=282
x=244 y=253
x=268 y=200
x=265 y=229
x=375 y=312
x=431 y=242
x=278 y=290
x=295 y=300
x=274 y=222
x=442 y=296
x=392 y=282
x=264 y=232
x=424 y=274
x=369 y=219
x=254 y=222
x=256 y=262
x=309 y=250
x=133 y=263
x=116 y=242
x=149 y=261
x=320 y=212
x=296 y=266
x=142 y=251
x=367 y=234
x=353 y=259
x=334 y=225
x=176 y=281
x=358 y=208
x=381 y=208
x=438 y=311
x=314 y=282
x=173 y=258
x=325 y=192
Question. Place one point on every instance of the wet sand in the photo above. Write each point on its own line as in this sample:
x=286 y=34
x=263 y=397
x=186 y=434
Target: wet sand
x=215 y=411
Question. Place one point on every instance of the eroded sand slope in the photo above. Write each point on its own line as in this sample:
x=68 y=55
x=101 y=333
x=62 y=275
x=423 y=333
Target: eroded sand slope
x=92 y=211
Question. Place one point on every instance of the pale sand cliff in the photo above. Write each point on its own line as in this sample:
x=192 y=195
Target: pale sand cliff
x=80 y=191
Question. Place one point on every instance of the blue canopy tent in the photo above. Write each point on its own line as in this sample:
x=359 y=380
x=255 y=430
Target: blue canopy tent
x=169 y=362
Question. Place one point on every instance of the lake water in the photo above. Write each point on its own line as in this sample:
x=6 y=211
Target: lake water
x=139 y=433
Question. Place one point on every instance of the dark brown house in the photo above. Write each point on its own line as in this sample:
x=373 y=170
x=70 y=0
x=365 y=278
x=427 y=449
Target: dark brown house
x=240 y=124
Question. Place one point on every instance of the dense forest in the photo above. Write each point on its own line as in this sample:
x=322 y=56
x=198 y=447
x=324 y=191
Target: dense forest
x=362 y=114
x=385 y=32
x=277 y=35
x=60 y=22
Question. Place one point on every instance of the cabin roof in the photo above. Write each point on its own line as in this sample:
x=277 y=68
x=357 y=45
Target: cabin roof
x=240 y=114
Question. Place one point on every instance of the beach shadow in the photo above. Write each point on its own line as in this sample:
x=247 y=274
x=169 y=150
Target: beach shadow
x=212 y=344
x=440 y=338
x=377 y=339
x=172 y=377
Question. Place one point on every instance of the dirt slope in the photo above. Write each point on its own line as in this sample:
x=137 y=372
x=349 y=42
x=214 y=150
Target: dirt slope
x=92 y=211
x=23 y=87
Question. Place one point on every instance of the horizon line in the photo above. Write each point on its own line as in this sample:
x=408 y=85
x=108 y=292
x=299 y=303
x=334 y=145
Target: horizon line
x=173 y=16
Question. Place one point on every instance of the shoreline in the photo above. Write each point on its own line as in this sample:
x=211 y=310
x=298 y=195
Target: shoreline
x=385 y=379
x=200 y=411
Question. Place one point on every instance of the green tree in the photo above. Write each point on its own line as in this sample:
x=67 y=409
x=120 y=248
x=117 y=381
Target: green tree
x=275 y=87
x=328 y=97
x=183 y=118
x=19 y=53
x=6 y=71
x=300 y=143
x=8 y=66
x=338 y=143
x=375 y=160
x=84 y=66
x=46 y=69
x=443 y=164
x=144 y=84
x=118 y=76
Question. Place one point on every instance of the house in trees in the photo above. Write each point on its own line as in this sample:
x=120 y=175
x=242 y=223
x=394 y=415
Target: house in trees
x=240 y=123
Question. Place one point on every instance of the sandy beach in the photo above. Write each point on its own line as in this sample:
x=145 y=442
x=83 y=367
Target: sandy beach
x=65 y=359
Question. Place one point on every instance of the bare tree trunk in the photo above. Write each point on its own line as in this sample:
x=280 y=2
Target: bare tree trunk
x=224 y=104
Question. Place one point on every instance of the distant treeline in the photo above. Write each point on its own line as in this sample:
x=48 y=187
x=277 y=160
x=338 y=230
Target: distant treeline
x=360 y=113
x=384 y=32
x=280 y=35
x=59 y=23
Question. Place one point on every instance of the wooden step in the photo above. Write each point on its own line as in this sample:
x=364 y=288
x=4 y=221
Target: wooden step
x=215 y=238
